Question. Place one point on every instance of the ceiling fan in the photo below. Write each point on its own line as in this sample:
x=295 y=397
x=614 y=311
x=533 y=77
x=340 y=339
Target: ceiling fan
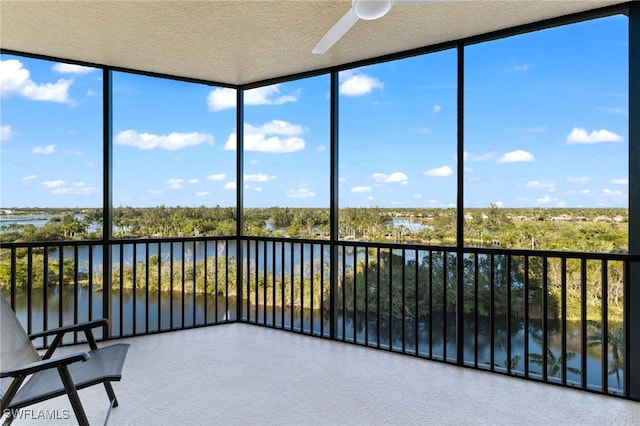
x=360 y=9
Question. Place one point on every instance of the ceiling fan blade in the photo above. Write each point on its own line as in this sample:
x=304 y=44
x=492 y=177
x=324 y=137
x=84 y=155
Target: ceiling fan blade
x=425 y=1
x=339 y=29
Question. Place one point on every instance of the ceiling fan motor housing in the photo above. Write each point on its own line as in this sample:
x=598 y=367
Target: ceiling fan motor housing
x=371 y=9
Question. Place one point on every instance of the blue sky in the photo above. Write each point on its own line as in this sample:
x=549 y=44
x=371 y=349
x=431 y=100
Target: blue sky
x=546 y=125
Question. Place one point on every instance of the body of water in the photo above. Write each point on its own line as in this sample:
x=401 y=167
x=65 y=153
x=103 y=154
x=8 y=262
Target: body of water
x=7 y=222
x=164 y=311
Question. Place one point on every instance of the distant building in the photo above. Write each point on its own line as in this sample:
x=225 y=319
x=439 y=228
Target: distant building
x=561 y=218
x=602 y=219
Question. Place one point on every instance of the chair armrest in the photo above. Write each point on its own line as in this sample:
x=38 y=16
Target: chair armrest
x=70 y=328
x=61 y=331
x=33 y=367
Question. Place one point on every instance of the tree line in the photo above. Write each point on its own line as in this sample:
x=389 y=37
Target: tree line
x=578 y=229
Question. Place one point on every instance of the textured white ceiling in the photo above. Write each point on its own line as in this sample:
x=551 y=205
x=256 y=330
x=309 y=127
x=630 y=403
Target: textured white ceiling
x=244 y=41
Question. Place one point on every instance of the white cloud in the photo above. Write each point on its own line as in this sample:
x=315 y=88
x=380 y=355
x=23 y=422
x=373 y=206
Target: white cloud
x=72 y=69
x=175 y=183
x=275 y=127
x=258 y=177
x=549 y=185
x=615 y=194
x=439 y=171
x=358 y=84
x=396 y=177
x=29 y=178
x=477 y=158
x=260 y=143
x=361 y=189
x=217 y=176
x=499 y=204
x=437 y=109
x=16 y=80
x=202 y=194
x=230 y=185
x=424 y=130
x=261 y=138
x=223 y=98
x=300 y=193
x=172 y=141
x=268 y=95
x=580 y=135
x=45 y=150
x=544 y=200
x=53 y=183
x=578 y=179
x=586 y=192
x=76 y=188
x=321 y=148
x=517 y=68
x=517 y=156
x=5 y=132
x=620 y=181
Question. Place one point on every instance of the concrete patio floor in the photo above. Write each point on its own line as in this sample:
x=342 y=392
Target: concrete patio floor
x=239 y=374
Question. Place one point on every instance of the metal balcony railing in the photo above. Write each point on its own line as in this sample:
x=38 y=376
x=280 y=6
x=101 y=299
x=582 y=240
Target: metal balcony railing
x=556 y=317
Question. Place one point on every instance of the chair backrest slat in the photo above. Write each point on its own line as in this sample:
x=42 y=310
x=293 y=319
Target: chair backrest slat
x=15 y=346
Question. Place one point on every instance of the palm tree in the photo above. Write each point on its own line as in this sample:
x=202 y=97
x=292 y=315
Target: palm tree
x=615 y=339
x=511 y=364
x=554 y=364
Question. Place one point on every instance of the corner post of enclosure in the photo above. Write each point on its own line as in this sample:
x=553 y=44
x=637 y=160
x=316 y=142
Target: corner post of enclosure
x=107 y=197
x=334 y=204
x=460 y=212
x=239 y=200
x=632 y=297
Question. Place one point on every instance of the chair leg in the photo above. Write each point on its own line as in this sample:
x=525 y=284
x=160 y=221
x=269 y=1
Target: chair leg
x=8 y=420
x=5 y=402
x=111 y=394
x=72 y=393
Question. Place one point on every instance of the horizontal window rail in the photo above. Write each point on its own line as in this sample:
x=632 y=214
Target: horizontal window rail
x=548 y=316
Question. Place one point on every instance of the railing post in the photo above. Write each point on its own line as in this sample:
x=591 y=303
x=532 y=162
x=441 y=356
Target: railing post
x=460 y=213
x=632 y=298
x=334 y=204
x=239 y=200
x=107 y=204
